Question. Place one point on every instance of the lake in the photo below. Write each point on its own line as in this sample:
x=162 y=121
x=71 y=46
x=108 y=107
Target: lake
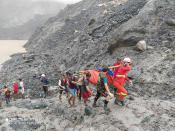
x=9 y=47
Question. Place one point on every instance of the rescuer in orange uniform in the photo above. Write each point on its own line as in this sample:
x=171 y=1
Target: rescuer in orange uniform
x=119 y=63
x=119 y=81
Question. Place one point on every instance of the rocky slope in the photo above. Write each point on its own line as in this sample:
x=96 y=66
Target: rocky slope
x=95 y=32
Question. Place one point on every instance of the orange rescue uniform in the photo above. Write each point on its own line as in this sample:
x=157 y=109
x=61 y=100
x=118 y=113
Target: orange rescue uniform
x=119 y=81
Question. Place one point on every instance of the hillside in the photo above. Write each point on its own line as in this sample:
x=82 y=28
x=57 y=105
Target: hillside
x=90 y=34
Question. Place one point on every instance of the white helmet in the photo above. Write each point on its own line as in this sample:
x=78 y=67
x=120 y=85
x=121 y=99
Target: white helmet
x=127 y=60
x=43 y=75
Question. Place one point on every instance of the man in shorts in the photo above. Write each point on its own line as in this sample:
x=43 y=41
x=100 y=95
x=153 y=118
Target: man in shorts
x=72 y=87
x=7 y=94
x=85 y=90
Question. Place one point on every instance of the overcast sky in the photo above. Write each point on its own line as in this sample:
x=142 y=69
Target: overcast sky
x=65 y=1
x=68 y=1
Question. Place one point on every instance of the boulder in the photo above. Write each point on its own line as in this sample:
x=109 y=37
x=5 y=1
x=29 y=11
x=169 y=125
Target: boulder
x=141 y=45
x=170 y=22
x=88 y=111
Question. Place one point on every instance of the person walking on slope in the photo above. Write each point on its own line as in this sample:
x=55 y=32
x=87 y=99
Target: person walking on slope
x=62 y=86
x=45 y=82
x=119 y=81
x=15 y=90
x=85 y=90
x=72 y=87
x=80 y=83
x=68 y=75
x=21 y=85
x=119 y=63
x=7 y=94
x=102 y=88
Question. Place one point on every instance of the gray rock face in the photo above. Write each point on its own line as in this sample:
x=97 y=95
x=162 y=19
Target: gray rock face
x=68 y=42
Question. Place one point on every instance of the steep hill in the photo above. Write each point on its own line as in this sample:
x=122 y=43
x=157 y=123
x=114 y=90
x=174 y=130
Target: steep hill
x=92 y=33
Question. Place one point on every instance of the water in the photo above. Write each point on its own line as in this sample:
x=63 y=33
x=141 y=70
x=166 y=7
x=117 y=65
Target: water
x=10 y=47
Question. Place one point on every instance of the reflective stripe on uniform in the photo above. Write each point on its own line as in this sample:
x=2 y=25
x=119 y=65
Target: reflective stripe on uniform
x=121 y=76
x=121 y=93
x=111 y=67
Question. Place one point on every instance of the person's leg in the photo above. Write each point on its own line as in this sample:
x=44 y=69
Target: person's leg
x=80 y=93
x=47 y=91
x=73 y=101
x=96 y=98
x=68 y=93
x=0 y=103
x=106 y=102
x=85 y=100
x=6 y=99
x=44 y=89
x=74 y=97
x=69 y=100
x=60 y=95
x=14 y=96
x=23 y=97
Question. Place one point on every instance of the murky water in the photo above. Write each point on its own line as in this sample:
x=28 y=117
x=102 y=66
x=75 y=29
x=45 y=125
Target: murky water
x=9 y=47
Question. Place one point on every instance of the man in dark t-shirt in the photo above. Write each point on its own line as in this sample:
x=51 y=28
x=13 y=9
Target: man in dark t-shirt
x=45 y=82
x=85 y=91
x=102 y=88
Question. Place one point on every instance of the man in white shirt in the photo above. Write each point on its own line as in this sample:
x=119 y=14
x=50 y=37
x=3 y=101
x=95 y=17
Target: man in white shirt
x=21 y=85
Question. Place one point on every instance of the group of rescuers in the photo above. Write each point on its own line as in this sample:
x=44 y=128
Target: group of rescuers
x=73 y=85
x=79 y=86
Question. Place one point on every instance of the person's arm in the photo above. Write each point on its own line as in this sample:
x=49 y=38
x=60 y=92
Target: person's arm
x=74 y=82
x=88 y=89
x=79 y=80
x=106 y=85
x=107 y=88
x=59 y=84
x=127 y=79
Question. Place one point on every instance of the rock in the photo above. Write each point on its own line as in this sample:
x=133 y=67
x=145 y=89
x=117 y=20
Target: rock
x=147 y=119
x=131 y=98
x=170 y=22
x=88 y=111
x=39 y=105
x=50 y=127
x=3 y=129
x=141 y=45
